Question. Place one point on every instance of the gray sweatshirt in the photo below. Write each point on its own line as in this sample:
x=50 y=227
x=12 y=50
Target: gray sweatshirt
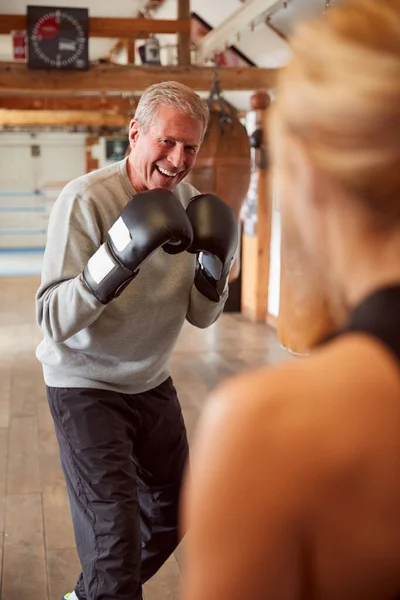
x=126 y=345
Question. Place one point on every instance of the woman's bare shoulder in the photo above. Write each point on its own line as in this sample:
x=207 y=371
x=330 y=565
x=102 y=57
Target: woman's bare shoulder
x=354 y=364
x=325 y=403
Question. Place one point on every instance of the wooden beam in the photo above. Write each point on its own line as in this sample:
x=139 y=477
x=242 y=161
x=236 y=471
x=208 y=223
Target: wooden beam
x=256 y=256
x=98 y=103
x=92 y=162
x=110 y=27
x=20 y=118
x=130 y=46
x=218 y=38
x=184 y=38
x=16 y=77
x=256 y=248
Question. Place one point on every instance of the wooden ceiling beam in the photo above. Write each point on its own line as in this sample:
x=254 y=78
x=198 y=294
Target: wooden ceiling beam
x=16 y=77
x=223 y=35
x=184 y=38
x=99 y=103
x=61 y=118
x=110 y=27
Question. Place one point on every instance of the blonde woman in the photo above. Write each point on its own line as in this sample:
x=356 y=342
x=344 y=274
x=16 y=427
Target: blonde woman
x=295 y=486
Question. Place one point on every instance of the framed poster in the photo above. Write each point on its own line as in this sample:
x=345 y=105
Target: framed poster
x=57 y=38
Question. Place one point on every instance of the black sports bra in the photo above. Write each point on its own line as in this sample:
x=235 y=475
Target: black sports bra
x=379 y=316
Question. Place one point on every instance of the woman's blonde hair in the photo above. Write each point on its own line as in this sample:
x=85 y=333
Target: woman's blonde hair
x=340 y=94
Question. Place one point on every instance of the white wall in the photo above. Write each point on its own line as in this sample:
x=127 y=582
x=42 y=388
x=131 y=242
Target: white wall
x=30 y=184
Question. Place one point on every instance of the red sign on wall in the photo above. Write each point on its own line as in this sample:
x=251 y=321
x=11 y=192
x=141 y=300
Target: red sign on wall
x=19 y=44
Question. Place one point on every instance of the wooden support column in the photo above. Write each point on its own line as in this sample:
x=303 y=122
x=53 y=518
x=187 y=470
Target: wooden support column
x=256 y=248
x=184 y=37
x=130 y=45
x=91 y=163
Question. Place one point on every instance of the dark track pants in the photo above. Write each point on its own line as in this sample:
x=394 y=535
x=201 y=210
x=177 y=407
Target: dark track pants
x=123 y=457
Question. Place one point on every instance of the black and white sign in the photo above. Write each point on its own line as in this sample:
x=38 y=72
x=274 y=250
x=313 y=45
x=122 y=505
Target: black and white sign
x=58 y=37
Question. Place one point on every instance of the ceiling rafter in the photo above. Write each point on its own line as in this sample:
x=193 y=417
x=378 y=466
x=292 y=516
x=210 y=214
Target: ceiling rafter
x=110 y=27
x=101 y=103
x=30 y=118
x=223 y=35
x=15 y=77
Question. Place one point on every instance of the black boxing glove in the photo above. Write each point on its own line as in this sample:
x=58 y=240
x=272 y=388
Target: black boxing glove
x=215 y=241
x=150 y=220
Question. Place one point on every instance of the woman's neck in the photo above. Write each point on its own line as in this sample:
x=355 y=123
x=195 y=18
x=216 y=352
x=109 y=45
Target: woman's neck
x=368 y=264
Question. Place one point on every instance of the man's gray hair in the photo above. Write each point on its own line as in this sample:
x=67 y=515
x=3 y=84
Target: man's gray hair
x=175 y=95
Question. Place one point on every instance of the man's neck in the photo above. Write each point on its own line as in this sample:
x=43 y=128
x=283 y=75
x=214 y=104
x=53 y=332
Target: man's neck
x=133 y=178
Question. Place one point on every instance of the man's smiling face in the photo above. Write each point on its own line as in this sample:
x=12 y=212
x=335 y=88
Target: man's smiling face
x=164 y=154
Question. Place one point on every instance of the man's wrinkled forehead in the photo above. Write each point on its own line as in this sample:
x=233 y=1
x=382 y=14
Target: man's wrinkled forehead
x=185 y=129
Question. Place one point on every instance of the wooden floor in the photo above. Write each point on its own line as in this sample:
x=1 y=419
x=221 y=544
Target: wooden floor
x=37 y=550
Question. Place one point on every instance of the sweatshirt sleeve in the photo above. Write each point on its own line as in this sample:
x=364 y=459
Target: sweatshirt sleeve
x=203 y=312
x=64 y=305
